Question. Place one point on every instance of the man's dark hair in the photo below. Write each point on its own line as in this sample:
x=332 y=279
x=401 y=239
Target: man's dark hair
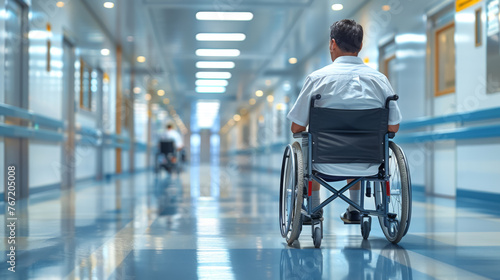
x=170 y=126
x=348 y=35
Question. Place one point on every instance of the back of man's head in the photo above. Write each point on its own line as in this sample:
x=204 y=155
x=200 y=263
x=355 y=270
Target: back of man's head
x=170 y=126
x=348 y=35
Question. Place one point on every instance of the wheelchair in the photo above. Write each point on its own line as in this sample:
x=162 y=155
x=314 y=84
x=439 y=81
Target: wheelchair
x=339 y=136
x=167 y=157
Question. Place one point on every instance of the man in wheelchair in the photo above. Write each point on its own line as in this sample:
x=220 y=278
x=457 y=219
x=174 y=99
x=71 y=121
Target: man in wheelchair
x=347 y=84
x=170 y=148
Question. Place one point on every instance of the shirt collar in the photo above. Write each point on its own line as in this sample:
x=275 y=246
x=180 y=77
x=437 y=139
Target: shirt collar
x=348 y=59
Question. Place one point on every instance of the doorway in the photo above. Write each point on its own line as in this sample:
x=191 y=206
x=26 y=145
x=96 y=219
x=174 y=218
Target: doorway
x=441 y=178
x=16 y=89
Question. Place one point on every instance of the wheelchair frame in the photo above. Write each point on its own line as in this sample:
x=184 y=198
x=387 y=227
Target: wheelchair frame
x=383 y=177
x=168 y=152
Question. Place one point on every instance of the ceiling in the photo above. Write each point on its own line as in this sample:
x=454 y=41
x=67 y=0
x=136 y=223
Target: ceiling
x=164 y=32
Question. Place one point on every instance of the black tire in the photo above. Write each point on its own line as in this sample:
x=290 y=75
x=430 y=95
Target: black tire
x=365 y=229
x=317 y=237
x=283 y=213
x=291 y=193
x=400 y=198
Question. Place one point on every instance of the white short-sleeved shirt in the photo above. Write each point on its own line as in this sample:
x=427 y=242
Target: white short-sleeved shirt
x=175 y=136
x=347 y=83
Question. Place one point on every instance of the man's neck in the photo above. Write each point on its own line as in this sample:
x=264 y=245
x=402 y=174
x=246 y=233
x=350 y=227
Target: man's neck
x=344 y=54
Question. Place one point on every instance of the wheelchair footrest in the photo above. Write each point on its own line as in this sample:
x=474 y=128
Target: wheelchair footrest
x=306 y=220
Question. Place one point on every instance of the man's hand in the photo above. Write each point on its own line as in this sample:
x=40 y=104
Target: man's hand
x=393 y=128
x=297 y=128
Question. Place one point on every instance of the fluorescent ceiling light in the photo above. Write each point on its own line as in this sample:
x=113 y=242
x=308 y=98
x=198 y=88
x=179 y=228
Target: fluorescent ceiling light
x=215 y=64
x=212 y=83
x=238 y=16
x=220 y=37
x=217 y=52
x=210 y=89
x=108 y=5
x=213 y=75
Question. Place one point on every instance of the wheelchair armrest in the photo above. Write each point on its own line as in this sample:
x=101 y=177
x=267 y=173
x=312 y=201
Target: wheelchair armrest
x=301 y=134
x=391 y=135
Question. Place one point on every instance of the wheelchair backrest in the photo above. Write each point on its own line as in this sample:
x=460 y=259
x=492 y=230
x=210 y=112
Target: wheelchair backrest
x=348 y=136
x=167 y=147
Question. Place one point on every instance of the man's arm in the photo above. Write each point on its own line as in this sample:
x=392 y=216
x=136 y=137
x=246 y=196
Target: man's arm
x=393 y=128
x=297 y=128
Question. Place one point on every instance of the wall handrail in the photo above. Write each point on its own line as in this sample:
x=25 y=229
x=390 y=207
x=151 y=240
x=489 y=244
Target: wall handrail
x=15 y=131
x=486 y=114
x=140 y=146
x=462 y=133
x=88 y=131
x=16 y=112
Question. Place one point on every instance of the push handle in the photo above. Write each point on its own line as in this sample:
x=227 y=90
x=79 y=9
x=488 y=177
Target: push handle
x=300 y=134
x=395 y=97
x=316 y=97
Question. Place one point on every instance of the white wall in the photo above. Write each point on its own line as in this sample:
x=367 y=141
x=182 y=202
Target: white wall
x=477 y=160
x=46 y=88
x=85 y=162
x=44 y=164
x=2 y=89
x=140 y=160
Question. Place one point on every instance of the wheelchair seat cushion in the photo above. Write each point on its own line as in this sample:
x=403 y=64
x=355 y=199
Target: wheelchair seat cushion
x=331 y=178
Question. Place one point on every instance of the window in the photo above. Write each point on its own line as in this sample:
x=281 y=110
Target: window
x=492 y=46
x=478 y=28
x=85 y=86
x=388 y=62
x=389 y=68
x=445 y=60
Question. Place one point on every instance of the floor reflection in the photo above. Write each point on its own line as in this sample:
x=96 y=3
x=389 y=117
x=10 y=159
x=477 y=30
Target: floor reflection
x=169 y=194
x=356 y=261
x=301 y=264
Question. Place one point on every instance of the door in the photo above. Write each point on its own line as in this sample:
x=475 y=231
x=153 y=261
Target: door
x=16 y=90
x=442 y=100
x=68 y=154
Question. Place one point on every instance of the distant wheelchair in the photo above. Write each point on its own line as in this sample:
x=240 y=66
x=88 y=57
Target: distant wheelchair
x=167 y=157
x=339 y=136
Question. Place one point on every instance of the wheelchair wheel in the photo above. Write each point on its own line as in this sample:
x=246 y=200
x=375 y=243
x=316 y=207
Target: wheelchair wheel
x=366 y=226
x=397 y=222
x=317 y=236
x=291 y=193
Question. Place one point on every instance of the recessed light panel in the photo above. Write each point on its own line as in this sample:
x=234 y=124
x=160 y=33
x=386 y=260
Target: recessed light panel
x=234 y=16
x=210 y=89
x=215 y=64
x=220 y=37
x=337 y=7
x=211 y=83
x=213 y=75
x=217 y=52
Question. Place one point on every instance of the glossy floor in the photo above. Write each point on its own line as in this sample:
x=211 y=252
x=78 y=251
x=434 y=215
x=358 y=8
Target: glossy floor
x=221 y=223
